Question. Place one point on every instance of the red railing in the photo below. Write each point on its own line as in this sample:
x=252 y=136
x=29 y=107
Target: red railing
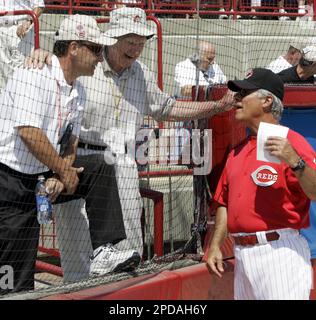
x=157 y=198
x=184 y=7
x=34 y=18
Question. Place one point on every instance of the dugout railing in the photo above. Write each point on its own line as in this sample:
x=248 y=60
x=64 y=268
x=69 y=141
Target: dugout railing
x=34 y=18
x=187 y=8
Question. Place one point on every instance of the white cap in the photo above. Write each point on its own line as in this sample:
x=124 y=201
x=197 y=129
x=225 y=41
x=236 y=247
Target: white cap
x=310 y=53
x=82 y=28
x=298 y=44
x=127 y=20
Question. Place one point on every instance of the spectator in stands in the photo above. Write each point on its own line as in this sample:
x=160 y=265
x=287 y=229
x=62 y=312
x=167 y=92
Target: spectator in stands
x=39 y=109
x=304 y=71
x=290 y=59
x=16 y=35
x=209 y=72
x=256 y=4
x=121 y=93
x=301 y=9
x=222 y=9
x=110 y=5
x=198 y=70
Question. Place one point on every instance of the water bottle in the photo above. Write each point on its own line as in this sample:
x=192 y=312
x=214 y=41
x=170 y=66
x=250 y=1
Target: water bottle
x=43 y=204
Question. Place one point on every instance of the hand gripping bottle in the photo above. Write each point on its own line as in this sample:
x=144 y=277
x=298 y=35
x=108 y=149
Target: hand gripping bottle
x=43 y=204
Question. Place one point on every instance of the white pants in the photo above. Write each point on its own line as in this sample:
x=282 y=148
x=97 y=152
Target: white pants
x=72 y=227
x=13 y=51
x=276 y=270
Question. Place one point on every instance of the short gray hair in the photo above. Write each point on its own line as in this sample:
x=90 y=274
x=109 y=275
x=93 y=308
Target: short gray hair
x=277 y=105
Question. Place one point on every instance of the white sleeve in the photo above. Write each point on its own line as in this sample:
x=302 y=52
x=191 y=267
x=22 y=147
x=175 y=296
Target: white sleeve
x=24 y=92
x=183 y=75
x=160 y=103
x=37 y=4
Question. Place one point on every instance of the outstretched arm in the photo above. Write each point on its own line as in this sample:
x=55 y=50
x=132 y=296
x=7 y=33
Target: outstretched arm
x=188 y=110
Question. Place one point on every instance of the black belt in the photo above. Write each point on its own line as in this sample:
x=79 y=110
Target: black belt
x=88 y=146
x=83 y=145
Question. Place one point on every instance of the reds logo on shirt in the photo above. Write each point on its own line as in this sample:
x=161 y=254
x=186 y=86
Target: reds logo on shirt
x=264 y=176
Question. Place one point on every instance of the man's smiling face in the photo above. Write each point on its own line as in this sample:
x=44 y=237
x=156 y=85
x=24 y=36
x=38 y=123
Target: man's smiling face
x=128 y=48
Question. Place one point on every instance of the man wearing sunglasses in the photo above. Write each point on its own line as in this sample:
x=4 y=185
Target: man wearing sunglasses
x=305 y=70
x=41 y=121
x=263 y=204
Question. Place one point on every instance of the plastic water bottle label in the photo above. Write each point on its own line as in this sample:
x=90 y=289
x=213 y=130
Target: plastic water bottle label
x=44 y=209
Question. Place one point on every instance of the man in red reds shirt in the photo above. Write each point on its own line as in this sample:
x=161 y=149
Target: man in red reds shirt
x=264 y=204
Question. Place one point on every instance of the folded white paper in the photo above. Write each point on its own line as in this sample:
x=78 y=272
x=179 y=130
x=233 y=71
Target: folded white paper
x=267 y=130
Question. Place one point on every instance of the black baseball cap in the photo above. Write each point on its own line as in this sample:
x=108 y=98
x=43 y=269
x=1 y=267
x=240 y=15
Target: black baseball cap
x=259 y=78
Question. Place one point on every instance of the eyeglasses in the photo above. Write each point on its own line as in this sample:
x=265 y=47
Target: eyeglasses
x=244 y=93
x=97 y=49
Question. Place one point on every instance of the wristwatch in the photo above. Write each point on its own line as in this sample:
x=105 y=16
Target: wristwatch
x=300 y=165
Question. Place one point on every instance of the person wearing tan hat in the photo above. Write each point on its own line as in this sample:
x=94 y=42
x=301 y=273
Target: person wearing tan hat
x=40 y=125
x=120 y=94
x=304 y=71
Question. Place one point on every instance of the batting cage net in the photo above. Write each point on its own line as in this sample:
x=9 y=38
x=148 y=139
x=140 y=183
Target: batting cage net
x=111 y=146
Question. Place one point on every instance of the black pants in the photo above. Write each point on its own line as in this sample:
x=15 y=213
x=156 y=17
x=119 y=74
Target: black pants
x=19 y=229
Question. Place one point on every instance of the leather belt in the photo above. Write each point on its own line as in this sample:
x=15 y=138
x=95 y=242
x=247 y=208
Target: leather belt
x=250 y=240
x=86 y=146
x=83 y=145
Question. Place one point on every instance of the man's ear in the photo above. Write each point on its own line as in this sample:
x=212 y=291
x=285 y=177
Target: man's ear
x=267 y=104
x=195 y=58
x=73 y=48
